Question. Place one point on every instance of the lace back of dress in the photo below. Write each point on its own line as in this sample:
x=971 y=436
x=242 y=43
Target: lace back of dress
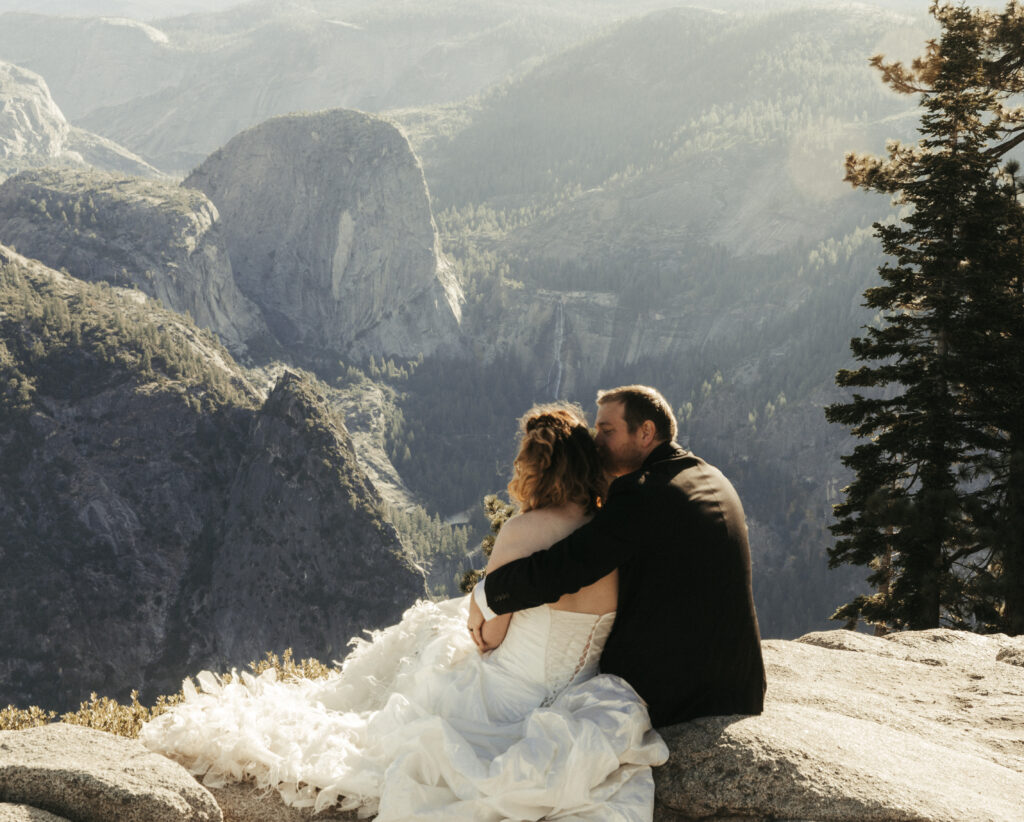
x=574 y=647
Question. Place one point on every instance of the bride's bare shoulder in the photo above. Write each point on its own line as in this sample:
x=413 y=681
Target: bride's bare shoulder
x=538 y=528
x=569 y=514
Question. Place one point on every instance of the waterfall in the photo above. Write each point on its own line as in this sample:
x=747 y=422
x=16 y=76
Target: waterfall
x=555 y=374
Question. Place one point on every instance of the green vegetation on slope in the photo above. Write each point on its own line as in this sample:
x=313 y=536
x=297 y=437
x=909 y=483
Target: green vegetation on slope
x=69 y=339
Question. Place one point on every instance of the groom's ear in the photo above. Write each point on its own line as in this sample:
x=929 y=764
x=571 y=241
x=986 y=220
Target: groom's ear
x=647 y=430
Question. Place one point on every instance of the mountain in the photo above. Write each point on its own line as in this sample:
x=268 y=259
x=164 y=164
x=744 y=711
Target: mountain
x=660 y=202
x=664 y=203
x=175 y=89
x=165 y=240
x=654 y=91
x=160 y=514
x=34 y=132
x=328 y=226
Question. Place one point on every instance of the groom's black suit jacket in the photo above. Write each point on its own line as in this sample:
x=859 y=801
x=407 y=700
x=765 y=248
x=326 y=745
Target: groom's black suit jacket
x=685 y=634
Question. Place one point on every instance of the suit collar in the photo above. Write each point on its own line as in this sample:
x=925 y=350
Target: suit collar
x=662 y=452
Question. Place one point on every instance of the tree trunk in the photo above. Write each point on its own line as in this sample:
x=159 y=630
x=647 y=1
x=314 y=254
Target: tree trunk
x=1012 y=549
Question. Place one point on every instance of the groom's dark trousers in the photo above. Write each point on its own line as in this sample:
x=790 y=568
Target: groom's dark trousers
x=685 y=634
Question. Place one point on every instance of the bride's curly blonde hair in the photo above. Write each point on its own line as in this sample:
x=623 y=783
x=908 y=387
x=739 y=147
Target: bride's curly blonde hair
x=557 y=462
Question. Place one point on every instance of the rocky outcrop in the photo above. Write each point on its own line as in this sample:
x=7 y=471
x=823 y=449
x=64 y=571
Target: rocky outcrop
x=329 y=230
x=272 y=556
x=91 y=776
x=34 y=132
x=165 y=240
x=925 y=725
x=139 y=469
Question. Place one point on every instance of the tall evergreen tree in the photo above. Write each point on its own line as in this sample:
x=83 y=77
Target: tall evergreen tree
x=1000 y=395
x=995 y=402
x=923 y=511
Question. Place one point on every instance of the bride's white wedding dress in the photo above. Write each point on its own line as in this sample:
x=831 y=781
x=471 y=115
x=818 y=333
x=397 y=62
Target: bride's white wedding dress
x=418 y=726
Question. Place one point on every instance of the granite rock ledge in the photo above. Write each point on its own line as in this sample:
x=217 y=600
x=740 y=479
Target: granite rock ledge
x=921 y=725
x=924 y=726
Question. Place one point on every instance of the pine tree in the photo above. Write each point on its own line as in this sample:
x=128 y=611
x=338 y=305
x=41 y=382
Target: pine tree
x=922 y=502
x=1000 y=398
x=995 y=402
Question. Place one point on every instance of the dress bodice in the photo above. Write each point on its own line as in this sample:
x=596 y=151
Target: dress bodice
x=553 y=648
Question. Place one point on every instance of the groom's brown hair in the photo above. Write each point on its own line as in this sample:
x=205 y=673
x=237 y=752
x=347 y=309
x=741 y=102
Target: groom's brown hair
x=640 y=403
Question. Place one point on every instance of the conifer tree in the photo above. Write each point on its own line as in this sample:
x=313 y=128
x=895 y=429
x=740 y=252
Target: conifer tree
x=1000 y=399
x=923 y=511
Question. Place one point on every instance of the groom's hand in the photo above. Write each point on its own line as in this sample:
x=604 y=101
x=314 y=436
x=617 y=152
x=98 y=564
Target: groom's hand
x=476 y=624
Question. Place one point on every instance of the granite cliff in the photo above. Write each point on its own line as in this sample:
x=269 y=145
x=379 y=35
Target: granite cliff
x=165 y=240
x=303 y=525
x=34 y=131
x=328 y=226
x=154 y=500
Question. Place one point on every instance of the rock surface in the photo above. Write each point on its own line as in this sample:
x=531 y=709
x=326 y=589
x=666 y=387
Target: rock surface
x=165 y=240
x=91 y=776
x=10 y=812
x=925 y=725
x=243 y=802
x=329 y=230
x=34 y=132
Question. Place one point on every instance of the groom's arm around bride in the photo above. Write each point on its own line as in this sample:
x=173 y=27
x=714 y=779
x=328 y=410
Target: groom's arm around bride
x=686 y=635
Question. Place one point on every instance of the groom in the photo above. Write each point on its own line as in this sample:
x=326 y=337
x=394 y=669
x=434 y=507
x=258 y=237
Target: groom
x=685 y=634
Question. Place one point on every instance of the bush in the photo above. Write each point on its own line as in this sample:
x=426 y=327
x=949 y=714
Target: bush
x=105 y=714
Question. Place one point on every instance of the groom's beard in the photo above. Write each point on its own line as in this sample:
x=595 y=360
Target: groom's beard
x=624 y=462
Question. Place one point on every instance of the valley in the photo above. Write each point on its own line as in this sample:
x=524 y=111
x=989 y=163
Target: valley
x=434 y=219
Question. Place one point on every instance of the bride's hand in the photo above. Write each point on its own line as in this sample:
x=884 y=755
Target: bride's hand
x=492 y=634
x=476 y=625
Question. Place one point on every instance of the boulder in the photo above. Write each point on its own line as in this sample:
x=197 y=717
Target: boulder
x=924 y=725
x=91 y=776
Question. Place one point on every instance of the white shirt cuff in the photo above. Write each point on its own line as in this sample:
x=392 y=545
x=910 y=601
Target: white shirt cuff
x=480 y=597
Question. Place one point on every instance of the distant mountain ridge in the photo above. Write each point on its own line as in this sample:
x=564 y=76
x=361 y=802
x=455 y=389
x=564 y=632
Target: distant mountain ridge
x=34 y=132
x=308 y=234
x=177 y=88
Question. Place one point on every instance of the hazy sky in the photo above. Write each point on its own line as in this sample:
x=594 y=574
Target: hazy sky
x=151 y=9
x=139 y=9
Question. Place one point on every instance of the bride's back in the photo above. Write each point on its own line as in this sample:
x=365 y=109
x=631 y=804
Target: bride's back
x=540 y=528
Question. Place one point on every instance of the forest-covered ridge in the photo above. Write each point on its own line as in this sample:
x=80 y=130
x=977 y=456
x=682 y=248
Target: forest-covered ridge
x=615 y=214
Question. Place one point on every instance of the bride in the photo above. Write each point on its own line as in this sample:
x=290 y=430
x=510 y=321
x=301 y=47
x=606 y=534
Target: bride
x=417 y=725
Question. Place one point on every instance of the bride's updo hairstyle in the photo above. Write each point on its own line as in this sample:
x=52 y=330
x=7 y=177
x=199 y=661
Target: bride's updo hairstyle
x=557 y=461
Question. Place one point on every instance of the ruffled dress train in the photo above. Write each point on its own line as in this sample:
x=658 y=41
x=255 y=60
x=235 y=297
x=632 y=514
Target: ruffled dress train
x=417 y=725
